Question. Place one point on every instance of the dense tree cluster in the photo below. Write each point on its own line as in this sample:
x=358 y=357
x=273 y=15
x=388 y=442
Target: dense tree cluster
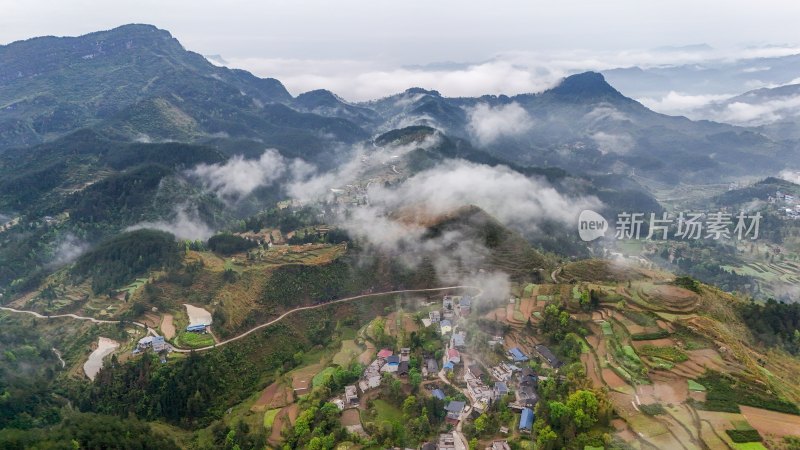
x=23 y=253
x=192 y=391
x=569 y=413
x=557 y=325
x=27 y=365
x=21 y=190
x=774 y=323
x=687 y=283
x=285 y=219
x=88 y=431
x=317 y=428
x=725 y=392
x=298 y=284
x=238 y=437
x=228 y=244
x=120 y=198
x=421 y=417
x=119 y=260
x=170 y=154
x=334 y=236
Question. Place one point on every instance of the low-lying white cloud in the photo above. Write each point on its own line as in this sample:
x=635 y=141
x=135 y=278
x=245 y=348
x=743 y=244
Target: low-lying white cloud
x=510 y=73
x=69 y=248
x=396 y=218
x=606 y=112
x=792 y=176
x=511 y=197
x=185 y=224
x=747 y=110
x=487 y=123
x=363 y=81
x=238 y=177
x=307 y=185
x=619 y=143
x=760 y=113
x=681 y=104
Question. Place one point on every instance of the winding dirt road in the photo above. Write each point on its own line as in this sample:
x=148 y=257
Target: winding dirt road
x=321 y=305
x=257 y=327
x=71 y=316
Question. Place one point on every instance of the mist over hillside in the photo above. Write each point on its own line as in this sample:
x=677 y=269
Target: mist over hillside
x=192 y=256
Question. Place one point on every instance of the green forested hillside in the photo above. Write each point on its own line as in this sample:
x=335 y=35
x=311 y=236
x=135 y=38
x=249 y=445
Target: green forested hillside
x=85 y=430
x=119 y=260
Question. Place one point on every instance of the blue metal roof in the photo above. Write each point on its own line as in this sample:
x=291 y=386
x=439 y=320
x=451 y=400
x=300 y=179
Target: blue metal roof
x=526 y=420
x=196 y=327
x=449 y=365
x=438 y=393
x=517 y=354
x=455 y=406
x=392 y=360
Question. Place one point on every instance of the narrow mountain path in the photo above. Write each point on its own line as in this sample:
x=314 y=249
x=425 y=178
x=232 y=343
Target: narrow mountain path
x=322 y=305
x=58 y=354
x=71 y=316
x=254 y=329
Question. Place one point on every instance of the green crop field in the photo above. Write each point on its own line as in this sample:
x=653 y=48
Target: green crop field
x=193 y=340
x=631 y=353
x=320 y=378
x=386 y=412
x=695 y=386
x=640 y=318
x=742 y=425
x=528 y=291
x=133 y=287
x=349 y=351
x=749 y=446
x=673 y=354
x=269 y=417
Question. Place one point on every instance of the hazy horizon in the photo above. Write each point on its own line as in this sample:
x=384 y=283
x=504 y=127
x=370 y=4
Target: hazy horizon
x=364 y=50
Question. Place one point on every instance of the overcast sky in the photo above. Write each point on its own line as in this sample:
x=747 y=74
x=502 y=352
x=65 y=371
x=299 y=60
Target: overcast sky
x=309 y=43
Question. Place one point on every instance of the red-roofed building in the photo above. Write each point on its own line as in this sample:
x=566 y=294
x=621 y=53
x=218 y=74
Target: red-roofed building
x=454 y=356
x=385 y=353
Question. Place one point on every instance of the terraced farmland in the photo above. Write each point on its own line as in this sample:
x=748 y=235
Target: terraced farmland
x=652 y=351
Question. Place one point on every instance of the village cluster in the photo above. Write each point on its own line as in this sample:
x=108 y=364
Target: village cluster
x=788 y=204
x=482 y=385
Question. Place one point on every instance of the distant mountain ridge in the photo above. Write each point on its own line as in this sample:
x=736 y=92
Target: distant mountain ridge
x=137 y=83
x=721 y=76
x=51 y=86
x=775 y=112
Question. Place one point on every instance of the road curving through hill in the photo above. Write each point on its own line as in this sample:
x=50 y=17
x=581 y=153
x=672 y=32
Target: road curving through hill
x=322 y=305
x=257 y=327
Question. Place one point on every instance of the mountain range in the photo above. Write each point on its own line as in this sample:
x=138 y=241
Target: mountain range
x=194 y=257
x=137 y=83
x=712 y=76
